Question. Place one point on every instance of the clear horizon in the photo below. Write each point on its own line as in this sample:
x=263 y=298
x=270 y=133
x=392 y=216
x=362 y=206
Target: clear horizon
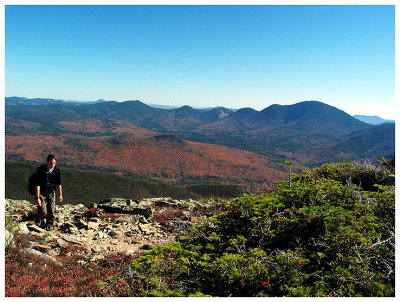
x=178 y=106
x=205 y=55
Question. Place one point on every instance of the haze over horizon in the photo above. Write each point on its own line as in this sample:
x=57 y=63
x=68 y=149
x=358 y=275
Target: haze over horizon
x=205 y=56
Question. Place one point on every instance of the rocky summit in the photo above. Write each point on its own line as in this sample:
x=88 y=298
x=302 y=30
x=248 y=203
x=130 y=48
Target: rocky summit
x=112 y=226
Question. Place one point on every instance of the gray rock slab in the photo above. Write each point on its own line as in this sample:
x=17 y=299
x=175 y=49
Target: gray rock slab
x=42 y=256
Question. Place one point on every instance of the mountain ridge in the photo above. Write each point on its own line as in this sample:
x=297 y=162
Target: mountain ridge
x=307 y=132
x=374 y=120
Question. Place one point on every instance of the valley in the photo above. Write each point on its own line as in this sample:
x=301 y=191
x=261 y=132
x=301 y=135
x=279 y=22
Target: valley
x=186 y=145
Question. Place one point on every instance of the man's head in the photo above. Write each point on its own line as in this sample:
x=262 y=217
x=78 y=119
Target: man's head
x=51 y=161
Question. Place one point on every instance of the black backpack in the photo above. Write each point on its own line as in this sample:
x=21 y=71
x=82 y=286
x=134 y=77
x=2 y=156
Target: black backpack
x=33 y=183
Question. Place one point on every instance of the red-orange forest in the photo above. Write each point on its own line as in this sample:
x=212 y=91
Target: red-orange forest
x=128 y=148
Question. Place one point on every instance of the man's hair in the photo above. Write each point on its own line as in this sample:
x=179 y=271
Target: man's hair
x=50 y=157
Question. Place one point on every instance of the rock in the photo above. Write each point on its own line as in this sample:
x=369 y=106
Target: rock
x=147 y=228
x=75 y=240
x=53 y=238
x=129 y=233
x=79 y=207
x=128 y=219
x=102 y=235
x=54 y=252
x=42 y=247
x=30 y=244
x=145 y=247
x=96 y=258
x=69 y=227
x=44 y=257
x=23 y=228
x=129 y=252
x=62 y=243
x=98 y=233
x=121 y=205
x=9 y=239
x=94 y=219
x=93 y=225
x=96 y=249
x=81 y=224
x=163 y=202
x=113 y=234
x=134 y=228
x=146 y=203
x=35 y=228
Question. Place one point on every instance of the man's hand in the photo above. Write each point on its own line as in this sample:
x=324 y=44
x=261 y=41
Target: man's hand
x=60 y=198
x=39 y=203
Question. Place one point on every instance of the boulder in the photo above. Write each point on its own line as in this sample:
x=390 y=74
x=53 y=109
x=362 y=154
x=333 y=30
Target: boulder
x=23 y=228
x=75 y=240
x=44 y=257
x=42 y=247
x=113 y=234
x=96 y=249
x=62 y=243
x=69 y=227
x=94 y=219
x=54 y=252
x=128 y=219
x=96 y=258
x=127 y=206
x=35 y=228
x=93 y=225
x=9 y=239
x=81 y=224
x=129 y=252
x=147 y=228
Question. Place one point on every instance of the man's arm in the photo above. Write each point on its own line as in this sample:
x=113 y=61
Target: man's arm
x=60 y=193
x=37 y=196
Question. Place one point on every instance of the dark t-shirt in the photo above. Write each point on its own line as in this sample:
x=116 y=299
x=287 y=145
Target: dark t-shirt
x=48 y=181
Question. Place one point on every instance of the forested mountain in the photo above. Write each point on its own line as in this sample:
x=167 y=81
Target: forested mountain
x=14 y=100
x=308 y=133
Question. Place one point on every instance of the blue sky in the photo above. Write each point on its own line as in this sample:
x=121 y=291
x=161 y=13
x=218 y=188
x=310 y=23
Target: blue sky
x=204 y=56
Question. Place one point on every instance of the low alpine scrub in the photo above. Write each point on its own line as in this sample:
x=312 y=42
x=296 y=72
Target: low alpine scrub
x=317 y=236
x=30 y=276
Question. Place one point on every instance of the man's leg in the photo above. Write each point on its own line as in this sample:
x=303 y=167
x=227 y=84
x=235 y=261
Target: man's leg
x=42 y=212
x=51 y=208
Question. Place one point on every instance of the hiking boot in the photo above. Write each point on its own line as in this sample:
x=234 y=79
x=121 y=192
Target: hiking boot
x=49 y=227
x=41 y=224
x=38 y=222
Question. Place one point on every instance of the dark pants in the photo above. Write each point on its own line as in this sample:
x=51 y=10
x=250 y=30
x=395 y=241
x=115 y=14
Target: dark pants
x=47 y=209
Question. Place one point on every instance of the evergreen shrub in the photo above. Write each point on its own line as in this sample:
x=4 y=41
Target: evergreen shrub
x=322 y=235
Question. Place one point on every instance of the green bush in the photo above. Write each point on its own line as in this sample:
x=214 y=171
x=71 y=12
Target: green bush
x=319 y=236
x=363 y=174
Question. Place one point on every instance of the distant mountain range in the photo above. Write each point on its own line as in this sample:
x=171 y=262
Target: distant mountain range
x=374 y=120
x=44 y=102
x=307 y=133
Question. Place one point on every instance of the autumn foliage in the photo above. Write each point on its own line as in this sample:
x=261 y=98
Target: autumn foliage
x=164 y=158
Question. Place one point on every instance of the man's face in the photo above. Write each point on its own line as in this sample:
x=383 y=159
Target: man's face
x=51 y=164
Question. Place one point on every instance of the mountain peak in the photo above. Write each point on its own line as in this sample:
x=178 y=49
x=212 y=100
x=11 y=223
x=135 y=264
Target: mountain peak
x=309 y=116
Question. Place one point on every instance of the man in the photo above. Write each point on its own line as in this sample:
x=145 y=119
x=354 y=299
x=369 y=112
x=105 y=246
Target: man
x=49 y=178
